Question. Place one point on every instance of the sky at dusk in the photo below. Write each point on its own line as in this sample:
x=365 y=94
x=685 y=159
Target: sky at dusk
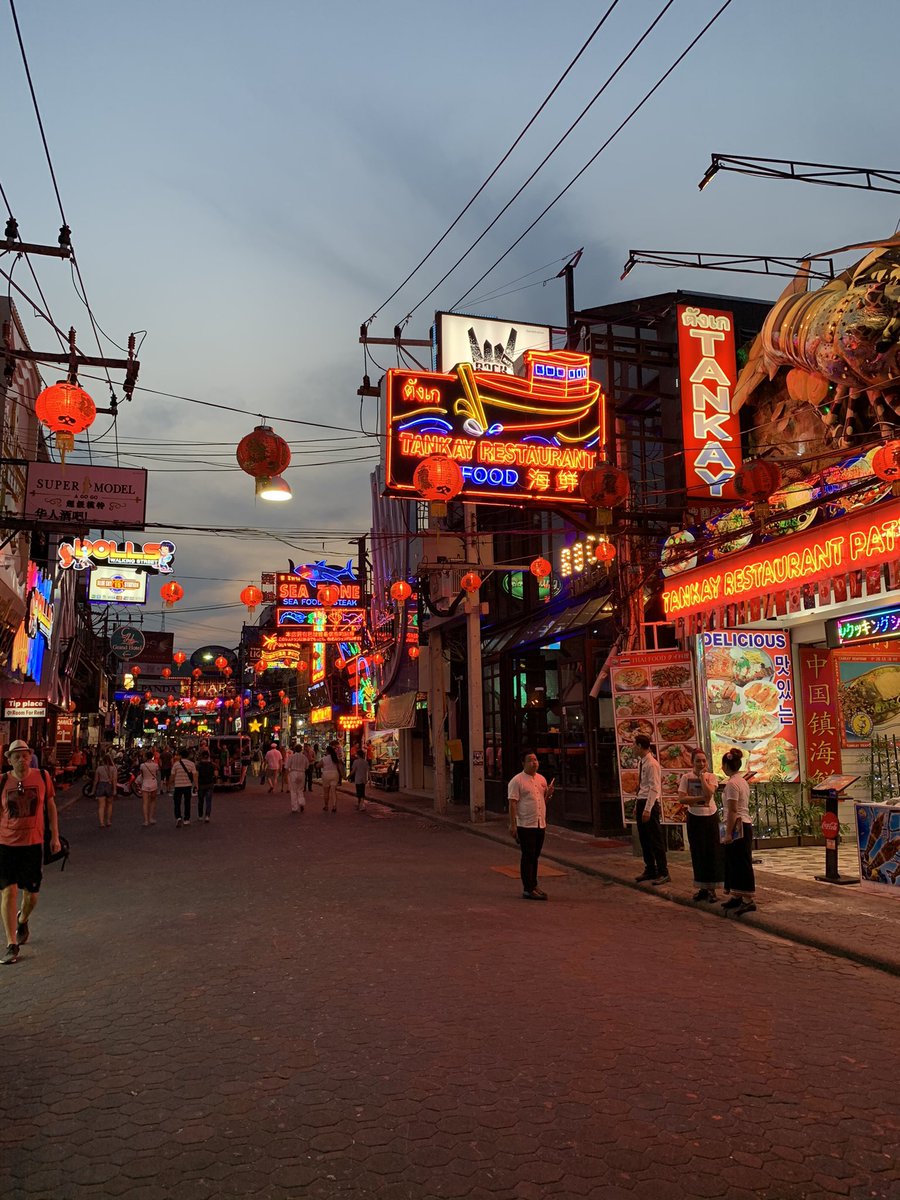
x=249 y=182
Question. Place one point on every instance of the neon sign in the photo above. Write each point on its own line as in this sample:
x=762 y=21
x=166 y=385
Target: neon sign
x=350 y=722
x=319 y=716
x=34 y=633
x=81 y=553
x=516 y=437
x=294 y=593
x=708 y=369
x=860 y=540
x=577 y=558
x=859 y=629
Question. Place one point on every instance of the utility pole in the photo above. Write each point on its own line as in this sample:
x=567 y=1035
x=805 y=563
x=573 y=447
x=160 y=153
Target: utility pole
x=568 y=273
x=473 y=666
x=437 y=703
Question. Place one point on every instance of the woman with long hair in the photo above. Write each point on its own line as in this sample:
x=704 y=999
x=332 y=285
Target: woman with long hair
x=739 y=878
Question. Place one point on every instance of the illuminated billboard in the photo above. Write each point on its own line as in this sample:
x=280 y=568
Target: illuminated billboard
x=527 y=437
x=708 y=374
x=485 y=342
x=117 y=585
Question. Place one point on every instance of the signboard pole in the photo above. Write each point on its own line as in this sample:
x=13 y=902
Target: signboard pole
x=476 y=706
x=831 y=829
x=438 y=706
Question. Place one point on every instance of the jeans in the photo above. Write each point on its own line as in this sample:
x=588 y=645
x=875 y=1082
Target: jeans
x=179 y=795
x=204 y=802
x=653 y=845
x=530 y=843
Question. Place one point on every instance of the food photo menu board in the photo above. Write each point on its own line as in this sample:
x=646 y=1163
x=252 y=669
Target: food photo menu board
x=653 y=693
x=749 y=687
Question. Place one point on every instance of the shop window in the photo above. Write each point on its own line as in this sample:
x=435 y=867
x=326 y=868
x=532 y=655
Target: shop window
x=493 y=716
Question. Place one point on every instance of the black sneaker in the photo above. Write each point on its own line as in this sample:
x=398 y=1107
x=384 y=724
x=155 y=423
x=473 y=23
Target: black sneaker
x=734 y=902
x=647 y=877
x=745 y=906
x=529 y=896
x=22 y=931
x=661 y=879
x=11 y=955
x=703 y=894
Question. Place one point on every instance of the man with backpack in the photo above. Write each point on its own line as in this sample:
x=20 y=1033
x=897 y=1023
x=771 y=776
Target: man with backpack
x=24 y=793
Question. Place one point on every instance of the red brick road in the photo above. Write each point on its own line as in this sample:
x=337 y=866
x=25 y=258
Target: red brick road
x=318 y=1006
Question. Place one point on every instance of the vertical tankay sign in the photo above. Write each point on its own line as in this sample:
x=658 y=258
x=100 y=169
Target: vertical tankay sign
x=708 y=373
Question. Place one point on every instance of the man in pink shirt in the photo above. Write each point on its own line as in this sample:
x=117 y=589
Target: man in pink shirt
x=24 y=793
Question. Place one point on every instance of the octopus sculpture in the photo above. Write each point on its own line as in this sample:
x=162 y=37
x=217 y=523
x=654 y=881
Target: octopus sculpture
x=845 y=334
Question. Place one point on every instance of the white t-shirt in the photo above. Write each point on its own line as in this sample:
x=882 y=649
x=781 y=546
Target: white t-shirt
x=274 y=761
x=530 y=795
x=182 y=773
x=736 y=798
x=690 y=787
x=298 y=762
x=149 y=776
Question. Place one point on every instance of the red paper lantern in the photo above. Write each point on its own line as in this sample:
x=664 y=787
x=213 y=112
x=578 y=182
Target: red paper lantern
x=414 y=652
x=605 y=486
x=179 y=657
x=438 y=477
x=260 y=698
x=148 y=695
x=166 y=672
x=227 y=672
x=328 y=594
x=221 y=663
x=135 y=699
x=886 y=461
x=66 y=409
x=259 y=667
x=757 y=480
x=339 y=664
x=302 y=665
x=400 y=591
x=604 y=551
x=263 y=453
x=196 y=672
x=171 y=593
x=540 y=568
x=470 y=582
x=378 y=658
x=170 y=699
x=251 y=596
x=135 y=671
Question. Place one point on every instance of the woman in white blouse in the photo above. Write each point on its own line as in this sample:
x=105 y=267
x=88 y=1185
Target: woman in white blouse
x=697 y=789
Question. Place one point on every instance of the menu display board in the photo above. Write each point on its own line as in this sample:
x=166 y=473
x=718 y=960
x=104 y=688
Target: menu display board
x=868 y=691
x=749 y=686
x=653 y=694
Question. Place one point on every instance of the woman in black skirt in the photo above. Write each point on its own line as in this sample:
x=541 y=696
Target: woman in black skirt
x=739 y=879
x=698 y=790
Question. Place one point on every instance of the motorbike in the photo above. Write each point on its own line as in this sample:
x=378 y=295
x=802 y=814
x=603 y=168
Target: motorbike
x=127 y=783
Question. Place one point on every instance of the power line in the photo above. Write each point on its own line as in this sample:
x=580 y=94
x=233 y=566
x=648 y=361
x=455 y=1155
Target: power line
x=463 y=212
x=546 y=157
x=594 y=157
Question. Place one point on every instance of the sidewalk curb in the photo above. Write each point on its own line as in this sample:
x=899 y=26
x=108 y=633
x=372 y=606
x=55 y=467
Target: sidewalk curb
x=763 y=923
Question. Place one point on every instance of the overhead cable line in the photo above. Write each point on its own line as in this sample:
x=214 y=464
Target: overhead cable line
x=545 y=159
x=594 y=157
x=529 y=124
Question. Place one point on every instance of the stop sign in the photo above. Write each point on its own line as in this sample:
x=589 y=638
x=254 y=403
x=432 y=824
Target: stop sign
x=830 y=825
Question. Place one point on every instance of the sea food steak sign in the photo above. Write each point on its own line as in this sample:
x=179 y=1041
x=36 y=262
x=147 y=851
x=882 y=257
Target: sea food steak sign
x=527 y=437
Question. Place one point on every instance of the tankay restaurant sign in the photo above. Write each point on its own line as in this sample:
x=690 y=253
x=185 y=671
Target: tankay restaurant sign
x=96 y=497
x=865 y=539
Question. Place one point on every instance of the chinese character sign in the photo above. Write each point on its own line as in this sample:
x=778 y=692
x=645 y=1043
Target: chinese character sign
x=818 y=689
x=749 y=686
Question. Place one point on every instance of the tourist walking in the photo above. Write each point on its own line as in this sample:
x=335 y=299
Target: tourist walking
x=648 y=815
x=106 y=779
x=206 y=781
x=528 y=793
x=26 y=804
x=184 y=780
x=149 y=777
x=274 y=766
x=359 y=773
x=697 y=788
x=295 y=769
x=165 y=768
x=740 y=881
x=331 y=777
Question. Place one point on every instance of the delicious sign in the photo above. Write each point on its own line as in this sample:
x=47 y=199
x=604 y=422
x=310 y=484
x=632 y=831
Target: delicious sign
x=864 y=539
x=514 y=437
x=708 y=372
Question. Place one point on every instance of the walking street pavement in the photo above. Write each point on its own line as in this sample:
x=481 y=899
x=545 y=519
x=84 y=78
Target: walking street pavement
x=361 y=1004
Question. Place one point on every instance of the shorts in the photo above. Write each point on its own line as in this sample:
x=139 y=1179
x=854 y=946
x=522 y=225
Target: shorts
x=23 y=866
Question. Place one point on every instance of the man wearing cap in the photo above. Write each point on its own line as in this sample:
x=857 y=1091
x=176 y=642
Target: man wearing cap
x=23 y=794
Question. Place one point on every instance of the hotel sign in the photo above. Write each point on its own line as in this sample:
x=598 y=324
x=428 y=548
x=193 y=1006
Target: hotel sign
x=865 y=539
x=516 y=438
x=23 y=709
x=708 y=373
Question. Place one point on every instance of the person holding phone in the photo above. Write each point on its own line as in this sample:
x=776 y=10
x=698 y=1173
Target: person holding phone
x=528 y=793
x=697 y=789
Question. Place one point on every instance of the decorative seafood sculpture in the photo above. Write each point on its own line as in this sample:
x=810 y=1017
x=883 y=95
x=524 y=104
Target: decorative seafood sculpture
x=846 y=332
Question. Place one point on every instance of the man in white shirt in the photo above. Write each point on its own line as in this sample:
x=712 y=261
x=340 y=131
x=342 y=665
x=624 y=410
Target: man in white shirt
x=274 y=766
x=648 y=815
x=528 y=793
x=296 y=766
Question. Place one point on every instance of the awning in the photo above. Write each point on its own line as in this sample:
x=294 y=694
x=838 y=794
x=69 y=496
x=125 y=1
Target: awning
x=549 y=627
x=396 y=712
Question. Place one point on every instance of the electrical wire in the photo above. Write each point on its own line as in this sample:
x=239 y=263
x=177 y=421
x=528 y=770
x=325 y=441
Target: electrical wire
x=505 y=157
x=609 y=79
x=594 y=157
